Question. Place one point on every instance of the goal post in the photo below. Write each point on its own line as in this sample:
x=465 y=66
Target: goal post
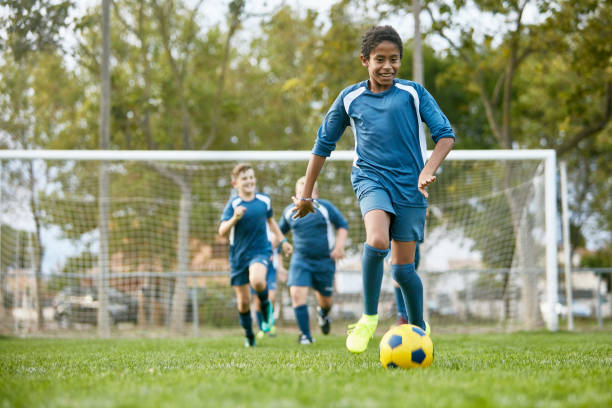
x=507 y=194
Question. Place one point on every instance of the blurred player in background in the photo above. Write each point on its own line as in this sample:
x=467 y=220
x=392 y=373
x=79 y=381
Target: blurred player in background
x=244 y=220
x=319 y=240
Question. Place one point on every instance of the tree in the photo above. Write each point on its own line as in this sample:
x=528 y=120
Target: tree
x=33 y=27
x=567 y=103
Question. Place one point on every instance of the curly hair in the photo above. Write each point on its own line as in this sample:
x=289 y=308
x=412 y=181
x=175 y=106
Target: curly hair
x=376 y=35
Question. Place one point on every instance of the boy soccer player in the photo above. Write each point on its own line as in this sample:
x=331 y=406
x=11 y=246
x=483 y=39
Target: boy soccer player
x=244 y=219
x=313 y=262
x=390 y=171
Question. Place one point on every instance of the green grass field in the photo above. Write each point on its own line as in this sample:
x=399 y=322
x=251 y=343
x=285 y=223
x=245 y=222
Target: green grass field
x=480 y=370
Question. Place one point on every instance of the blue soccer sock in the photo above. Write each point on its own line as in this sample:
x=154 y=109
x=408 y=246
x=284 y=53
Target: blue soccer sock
x=412 y=289
x=246 y=321
x=400 y=305
x=324 y=311
x=263 y=295
x=372 y=274
x=301 y=316
x=259 y=319
x=264 y=304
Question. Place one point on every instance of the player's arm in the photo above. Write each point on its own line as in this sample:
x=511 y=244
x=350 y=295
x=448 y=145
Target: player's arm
x=304 y=204
x=441 y=133
x=341 y=225
x=227 y=225
x=338 y=252
x=281 y=272
x=284 y=243
x=443 y=147
x=330 y=131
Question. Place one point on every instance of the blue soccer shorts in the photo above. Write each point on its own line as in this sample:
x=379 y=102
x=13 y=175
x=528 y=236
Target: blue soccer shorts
x=314 y=273
x=240 y=275
x=407 y=223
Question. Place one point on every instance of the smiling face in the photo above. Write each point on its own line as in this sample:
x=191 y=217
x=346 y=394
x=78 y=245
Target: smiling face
x=382 y=64
x=245 y=183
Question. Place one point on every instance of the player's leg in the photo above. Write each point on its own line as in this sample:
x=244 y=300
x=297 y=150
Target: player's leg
x=400 y=305
x=243 y=300
x=406 y=230
x=325 y=305
x=323 y=283
x=258 y=315
x=258 y=269
x=271 y=283
x=299 y=296
x=374 y=252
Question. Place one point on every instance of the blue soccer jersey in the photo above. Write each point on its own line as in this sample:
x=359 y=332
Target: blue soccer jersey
x=249 y=236
x=390 y=145
x=314 y=234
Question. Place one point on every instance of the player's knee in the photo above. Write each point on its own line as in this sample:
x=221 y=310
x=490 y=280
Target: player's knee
x=378 y=241
x=258 y=285
x=243 y=306
x=326 y=302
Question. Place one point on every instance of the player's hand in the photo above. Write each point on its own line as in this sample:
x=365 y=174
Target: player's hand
x=302 y=208
x=337 y=254
x=425 y=179
x=287 y=248
x=239 y=212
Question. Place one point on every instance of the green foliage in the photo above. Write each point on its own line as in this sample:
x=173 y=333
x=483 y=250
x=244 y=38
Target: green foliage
x=537 y=369
x=601 y=258
x=34 y=25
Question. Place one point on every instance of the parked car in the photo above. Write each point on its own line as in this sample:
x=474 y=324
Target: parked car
x=77 y=304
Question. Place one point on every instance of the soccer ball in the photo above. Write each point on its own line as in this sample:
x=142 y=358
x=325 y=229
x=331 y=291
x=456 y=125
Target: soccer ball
x=406 y=346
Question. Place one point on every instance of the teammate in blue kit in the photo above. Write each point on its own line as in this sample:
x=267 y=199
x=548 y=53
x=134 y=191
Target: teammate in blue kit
x=319 y=240
x=390 y=171
x=244 y=219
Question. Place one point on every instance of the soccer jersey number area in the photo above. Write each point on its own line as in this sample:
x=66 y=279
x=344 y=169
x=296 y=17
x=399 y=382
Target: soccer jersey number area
x=249 y=236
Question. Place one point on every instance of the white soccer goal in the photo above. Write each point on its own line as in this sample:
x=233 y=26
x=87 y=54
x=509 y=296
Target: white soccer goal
x=488 y=259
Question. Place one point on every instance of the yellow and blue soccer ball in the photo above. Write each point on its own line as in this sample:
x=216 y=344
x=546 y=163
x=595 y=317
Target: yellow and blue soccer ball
x=406 y=346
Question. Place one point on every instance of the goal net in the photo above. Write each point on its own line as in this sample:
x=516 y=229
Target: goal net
x=485 y=262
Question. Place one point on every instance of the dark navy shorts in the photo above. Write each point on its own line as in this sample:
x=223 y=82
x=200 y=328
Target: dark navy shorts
x=314 y=273
x=240 y=276
x=407 y=223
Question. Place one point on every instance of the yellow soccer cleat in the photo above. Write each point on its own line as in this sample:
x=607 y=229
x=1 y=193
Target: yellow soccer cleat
x=427 y=329
x=360 y=333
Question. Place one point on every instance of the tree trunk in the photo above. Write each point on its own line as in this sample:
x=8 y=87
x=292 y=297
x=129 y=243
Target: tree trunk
x=36 y=252
x=524 y=253
x=417 y=53
x=103 y=187
x=179 y=300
